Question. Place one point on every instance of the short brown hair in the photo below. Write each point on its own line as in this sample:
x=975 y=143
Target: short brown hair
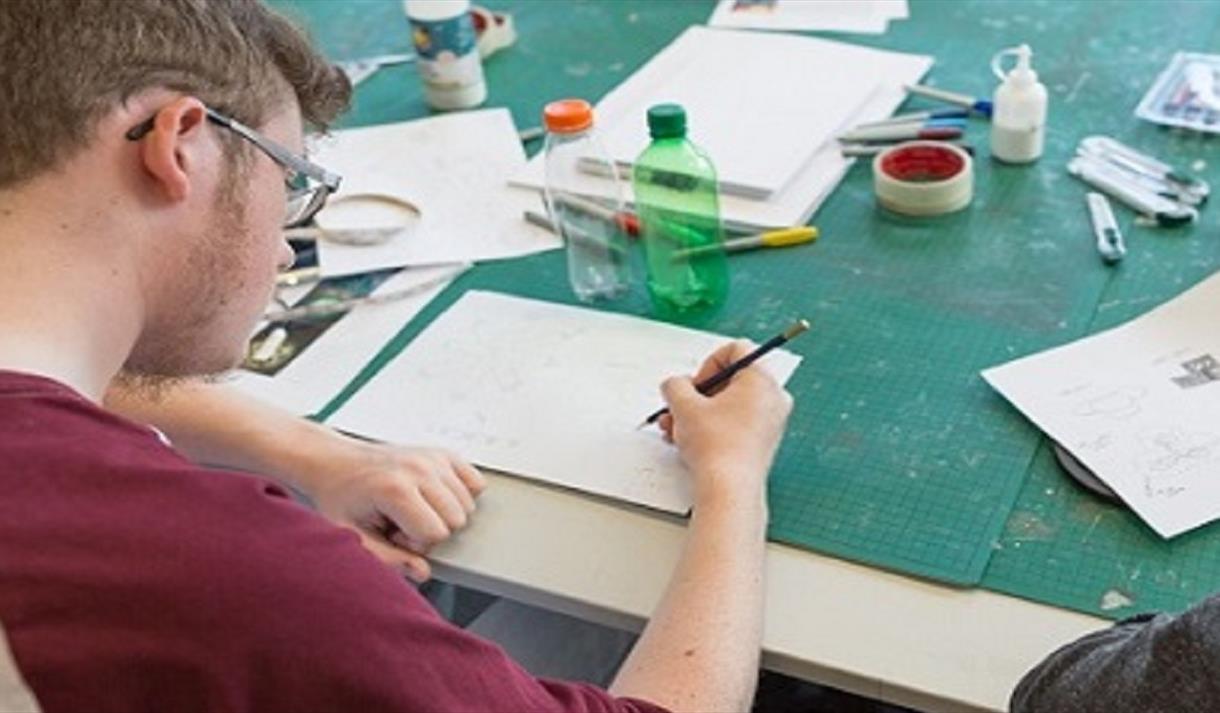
x=64 y=64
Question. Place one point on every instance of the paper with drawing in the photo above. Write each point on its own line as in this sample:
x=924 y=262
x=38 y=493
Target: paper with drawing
x=544 y=391
x=1139 y=405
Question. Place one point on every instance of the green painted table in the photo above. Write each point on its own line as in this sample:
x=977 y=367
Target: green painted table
x=899 y=456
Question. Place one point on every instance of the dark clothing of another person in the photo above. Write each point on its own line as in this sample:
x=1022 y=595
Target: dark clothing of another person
x=1153 y=663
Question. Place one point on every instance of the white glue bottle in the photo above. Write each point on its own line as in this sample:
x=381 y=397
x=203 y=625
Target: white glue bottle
x=1018 y=119
x=446 y=53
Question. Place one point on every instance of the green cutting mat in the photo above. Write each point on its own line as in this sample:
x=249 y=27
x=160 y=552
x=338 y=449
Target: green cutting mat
x=1064 y=546
x=898 y=455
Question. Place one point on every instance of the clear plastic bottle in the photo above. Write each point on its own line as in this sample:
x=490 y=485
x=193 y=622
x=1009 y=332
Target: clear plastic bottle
x=678 y=202
x=1018 y=121
x=446 y=53
x=585 y=210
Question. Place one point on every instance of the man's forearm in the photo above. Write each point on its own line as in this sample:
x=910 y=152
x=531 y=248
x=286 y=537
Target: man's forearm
x=216 y=425
x=700 y=649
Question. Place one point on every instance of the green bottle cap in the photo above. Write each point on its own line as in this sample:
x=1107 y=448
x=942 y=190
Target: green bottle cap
x=667 y=121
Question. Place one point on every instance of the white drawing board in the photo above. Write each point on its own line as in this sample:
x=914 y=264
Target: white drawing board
x=545 y=391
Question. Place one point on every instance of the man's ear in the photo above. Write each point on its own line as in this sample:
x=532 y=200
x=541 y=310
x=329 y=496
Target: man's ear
x=170 y=149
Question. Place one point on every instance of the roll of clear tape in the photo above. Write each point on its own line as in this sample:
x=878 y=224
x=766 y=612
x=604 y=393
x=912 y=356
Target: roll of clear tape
x=923 y=178
x=362 y=219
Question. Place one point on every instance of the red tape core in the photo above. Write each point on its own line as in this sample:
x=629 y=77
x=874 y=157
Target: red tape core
x=922 y=164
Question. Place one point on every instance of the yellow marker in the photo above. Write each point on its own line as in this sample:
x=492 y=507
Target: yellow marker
x=774 y=239
x=771 y=239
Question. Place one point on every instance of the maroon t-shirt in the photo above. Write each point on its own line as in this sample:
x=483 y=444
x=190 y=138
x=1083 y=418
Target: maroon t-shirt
x=132 y=579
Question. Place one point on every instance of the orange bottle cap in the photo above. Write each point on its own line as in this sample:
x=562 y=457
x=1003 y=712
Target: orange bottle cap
x=567 y=116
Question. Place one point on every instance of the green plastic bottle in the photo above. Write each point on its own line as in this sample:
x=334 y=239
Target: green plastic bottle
x=677 y=199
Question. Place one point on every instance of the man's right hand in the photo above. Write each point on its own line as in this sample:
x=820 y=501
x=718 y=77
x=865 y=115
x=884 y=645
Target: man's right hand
x=729 y=438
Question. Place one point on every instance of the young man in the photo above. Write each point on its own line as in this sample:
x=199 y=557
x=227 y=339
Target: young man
x=140 y=232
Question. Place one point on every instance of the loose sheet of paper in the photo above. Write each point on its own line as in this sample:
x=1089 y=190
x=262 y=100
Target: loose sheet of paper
x=1139 y=405
x=544 y=391
x=453 y=169
x=863 y=16
x=318 y=369
x=795 y=203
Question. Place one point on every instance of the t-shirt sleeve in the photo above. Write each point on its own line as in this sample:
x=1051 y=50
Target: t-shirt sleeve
x=1151 y=662
x=329 y=627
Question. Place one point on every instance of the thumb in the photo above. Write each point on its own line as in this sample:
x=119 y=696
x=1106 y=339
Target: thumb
x=679 y=392
x=413 y=565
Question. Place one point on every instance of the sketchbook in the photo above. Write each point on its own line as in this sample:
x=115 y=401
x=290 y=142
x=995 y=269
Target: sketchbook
x=544 y=391
x=1139 y=405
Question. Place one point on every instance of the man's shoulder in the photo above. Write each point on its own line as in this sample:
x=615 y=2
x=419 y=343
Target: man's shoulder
x=89 y=498
x=45 y=425
x=113 y=541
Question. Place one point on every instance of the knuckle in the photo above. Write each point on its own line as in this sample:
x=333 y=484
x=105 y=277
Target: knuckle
x=415 y=469
x=395 y=492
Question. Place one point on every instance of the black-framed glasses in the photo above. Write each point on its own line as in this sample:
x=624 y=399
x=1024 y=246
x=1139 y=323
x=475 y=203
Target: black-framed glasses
x=308 y=184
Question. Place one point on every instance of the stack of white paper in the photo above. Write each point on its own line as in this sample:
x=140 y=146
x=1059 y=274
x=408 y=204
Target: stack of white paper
x=454 y=169
x=862 y=16
x=750 y=103
x=769 y=125
x=1139 y=405
x=543 y=390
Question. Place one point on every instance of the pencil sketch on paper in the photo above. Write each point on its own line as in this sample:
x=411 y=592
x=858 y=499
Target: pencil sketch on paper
x=542 y=390
x=1174 y=457
x=1121 y=403
x=1095 y=443
x=1199 y=372
x=1136 y=405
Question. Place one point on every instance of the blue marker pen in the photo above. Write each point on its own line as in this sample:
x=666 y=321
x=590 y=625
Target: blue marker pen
x=979 y=106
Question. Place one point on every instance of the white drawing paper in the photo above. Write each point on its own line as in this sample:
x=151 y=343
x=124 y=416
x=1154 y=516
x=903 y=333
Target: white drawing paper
x=859 y=16
x=544 y=391
x=760 y=105
x=1139 y=405
x=320 y=371
x=453 y=169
